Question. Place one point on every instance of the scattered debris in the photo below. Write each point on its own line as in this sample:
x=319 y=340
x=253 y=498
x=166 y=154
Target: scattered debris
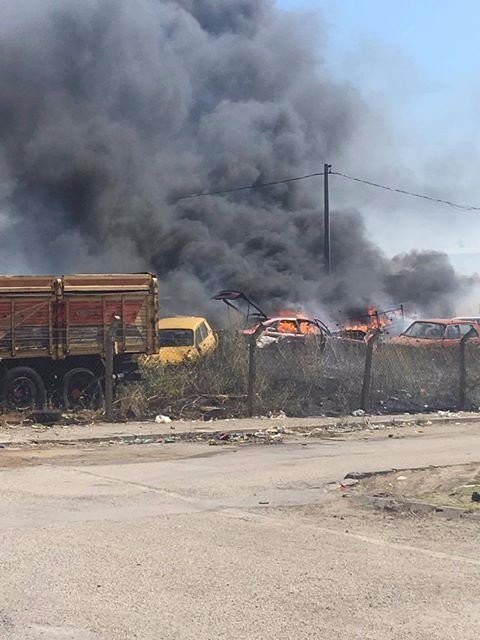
x=358 y=412
x=349 y=482
x=361 y=475
x=162 y=419
x=332 y=486
x=46 y=417
x=475 y=496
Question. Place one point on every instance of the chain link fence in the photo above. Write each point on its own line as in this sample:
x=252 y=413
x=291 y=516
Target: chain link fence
x=335 y=377
x=308 y=377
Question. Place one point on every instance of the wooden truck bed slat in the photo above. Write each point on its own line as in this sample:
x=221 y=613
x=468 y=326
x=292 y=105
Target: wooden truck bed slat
x=71 y=315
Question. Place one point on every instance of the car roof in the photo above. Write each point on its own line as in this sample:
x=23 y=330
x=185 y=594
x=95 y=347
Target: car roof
x=446 y=320
x=180 y=322
x=287 y=319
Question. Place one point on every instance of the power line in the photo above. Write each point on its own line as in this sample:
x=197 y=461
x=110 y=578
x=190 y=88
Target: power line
x=250 y=186
x=369 y=183
x=461 y=207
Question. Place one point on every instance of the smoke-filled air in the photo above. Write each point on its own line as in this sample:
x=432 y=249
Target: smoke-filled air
x=112 y=110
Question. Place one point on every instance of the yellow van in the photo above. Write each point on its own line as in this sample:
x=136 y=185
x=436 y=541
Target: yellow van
x=184 y=338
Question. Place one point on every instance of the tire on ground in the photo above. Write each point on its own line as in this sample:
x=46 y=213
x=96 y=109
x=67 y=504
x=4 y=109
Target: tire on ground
x=22 y=388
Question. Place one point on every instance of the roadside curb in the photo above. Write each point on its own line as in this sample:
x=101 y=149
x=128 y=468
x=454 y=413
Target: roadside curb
x=150 y=438
x=264 y=431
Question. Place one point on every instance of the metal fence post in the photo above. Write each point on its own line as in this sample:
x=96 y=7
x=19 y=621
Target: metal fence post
x=252 y=369
x=252 y=374
x=367 y=374
x=462 y=378
x=111 y=335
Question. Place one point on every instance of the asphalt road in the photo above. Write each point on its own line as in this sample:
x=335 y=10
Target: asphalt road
x=186 y=541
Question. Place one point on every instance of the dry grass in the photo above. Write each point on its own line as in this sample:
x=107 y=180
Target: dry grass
x=213 y=385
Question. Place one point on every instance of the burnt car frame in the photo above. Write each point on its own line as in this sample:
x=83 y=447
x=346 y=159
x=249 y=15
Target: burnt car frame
x=267 y=330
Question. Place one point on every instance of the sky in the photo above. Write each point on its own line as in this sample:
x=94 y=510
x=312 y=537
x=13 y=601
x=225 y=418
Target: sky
x=419 y=60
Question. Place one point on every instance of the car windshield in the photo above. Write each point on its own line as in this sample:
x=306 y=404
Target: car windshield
x=429 y=330
x=176 y=338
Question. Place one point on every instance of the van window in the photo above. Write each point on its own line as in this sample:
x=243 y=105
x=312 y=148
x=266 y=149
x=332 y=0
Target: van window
x=176 y=338
x=203 y=331
x=198 y=336
x=453 y=332
x=465 y=328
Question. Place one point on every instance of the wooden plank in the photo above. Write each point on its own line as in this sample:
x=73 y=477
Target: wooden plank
x=106 y=282
x=26 y=284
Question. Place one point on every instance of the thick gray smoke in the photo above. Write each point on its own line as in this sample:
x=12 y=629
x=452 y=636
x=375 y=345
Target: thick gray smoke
x=110 y=110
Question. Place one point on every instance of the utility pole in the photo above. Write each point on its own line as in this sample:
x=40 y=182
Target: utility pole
x=327 y=254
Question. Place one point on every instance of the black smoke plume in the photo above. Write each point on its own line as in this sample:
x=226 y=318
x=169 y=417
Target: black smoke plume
x=111 y=110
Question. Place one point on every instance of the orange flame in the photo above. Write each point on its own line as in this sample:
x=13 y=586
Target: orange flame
x=372 y=320
x=286 y=326
x=304 y=326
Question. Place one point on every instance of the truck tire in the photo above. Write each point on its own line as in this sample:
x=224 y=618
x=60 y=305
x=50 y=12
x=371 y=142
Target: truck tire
x=82 y=389
x=22 y=388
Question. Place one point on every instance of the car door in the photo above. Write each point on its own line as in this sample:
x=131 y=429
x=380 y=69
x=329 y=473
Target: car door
x=452 y=335
x=467 y=328
x=455 y=332
x=309 y=327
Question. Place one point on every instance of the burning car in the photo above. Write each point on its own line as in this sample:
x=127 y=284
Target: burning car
x=362 y=325
x=438 y=332
x=285 y=326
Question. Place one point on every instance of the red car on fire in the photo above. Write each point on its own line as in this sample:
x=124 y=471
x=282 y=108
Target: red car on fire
x=289 y=328
x=267 y=330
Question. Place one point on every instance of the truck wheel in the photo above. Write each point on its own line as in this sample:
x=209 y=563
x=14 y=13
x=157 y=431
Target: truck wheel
x=22 y=389
x=82 y=389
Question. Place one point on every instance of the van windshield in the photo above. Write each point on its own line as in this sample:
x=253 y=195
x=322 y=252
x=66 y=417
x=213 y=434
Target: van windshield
x=176 y=338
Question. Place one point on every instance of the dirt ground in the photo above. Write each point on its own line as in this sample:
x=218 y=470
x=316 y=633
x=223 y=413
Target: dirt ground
x=105 y=453
x=450 y=486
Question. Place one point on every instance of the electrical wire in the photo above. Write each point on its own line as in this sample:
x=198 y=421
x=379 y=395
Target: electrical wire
x=460 y=207
x=377 y=185
x=251 y=186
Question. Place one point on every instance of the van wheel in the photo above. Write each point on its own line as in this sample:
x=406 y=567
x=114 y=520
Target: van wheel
x=23 y=389
x=82 y=389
